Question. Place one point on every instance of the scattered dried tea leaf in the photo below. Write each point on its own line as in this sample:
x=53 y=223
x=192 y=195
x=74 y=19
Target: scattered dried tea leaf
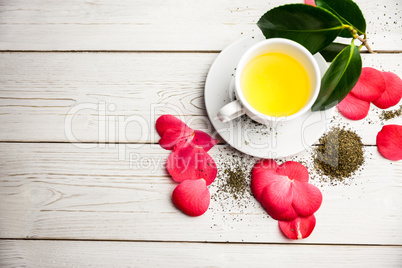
x=233 y=181
x=387 y=115
x=236 y=183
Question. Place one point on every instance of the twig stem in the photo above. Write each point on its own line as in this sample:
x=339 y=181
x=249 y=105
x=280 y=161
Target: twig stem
x=365 y=43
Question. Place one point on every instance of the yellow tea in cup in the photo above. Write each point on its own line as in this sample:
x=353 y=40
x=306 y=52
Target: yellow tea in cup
x=275 y=84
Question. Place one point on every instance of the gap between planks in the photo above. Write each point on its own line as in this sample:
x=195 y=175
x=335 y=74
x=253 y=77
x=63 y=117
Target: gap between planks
x=143 y=143
x=198 y=242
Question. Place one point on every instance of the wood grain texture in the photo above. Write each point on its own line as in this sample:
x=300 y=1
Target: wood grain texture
x=116 y=97
x=124 y=254
x=96 y=191
x=159 y=25
x=63 y=191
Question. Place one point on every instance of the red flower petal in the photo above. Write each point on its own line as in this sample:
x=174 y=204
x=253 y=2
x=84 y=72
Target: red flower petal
x=306 y=198
x=192 y=197
x=190 y=162
x=370 y=85
x=171 y=130
x=204 y=140
x=353 y=108
x=294 y=171
x=285 y=199
x=389 y=142
x=172 y=136
x=299 y=228
x=262 y=170
x=285 y=192
x=393 y=91
x=277 y=200
x=309 y=2
x=168 y=121
x=260 y=180
x=264 y=165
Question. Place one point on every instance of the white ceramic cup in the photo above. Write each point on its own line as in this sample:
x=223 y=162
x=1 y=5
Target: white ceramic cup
x=240 y=106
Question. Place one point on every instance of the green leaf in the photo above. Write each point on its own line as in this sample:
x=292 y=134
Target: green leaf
x=313 y=27
x=330 y=52
x=348 y=12
x=339 y=79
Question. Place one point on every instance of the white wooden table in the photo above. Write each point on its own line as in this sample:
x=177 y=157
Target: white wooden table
x=98 y=73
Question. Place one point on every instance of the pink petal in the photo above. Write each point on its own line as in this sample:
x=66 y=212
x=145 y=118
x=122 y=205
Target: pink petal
x=294 y=171
x=299 y=228
x=263 y=165
x=353 y=108
x=370 y=85
x=277 y=200
x=192 y=197
x=260 y=180
x=168 y=121
x=190 y=162
x=309 y=2
x=204 y=140
x=393 y=91
x=263 y=172
x=285 y=192
x=389 y=142
x=172 y=136
x=307 y=198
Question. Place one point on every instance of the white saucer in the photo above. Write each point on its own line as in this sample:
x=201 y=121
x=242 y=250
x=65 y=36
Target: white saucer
x=277 y=140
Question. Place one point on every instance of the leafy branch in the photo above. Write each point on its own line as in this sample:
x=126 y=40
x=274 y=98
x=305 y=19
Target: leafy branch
x=316 y=28
x=365 y=43
x=354 y=34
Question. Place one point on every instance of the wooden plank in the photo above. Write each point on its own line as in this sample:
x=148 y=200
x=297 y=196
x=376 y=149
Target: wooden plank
x=28 y=253
x=38 y=92
x=116 y=97
x=159 y=25
x=64 y=191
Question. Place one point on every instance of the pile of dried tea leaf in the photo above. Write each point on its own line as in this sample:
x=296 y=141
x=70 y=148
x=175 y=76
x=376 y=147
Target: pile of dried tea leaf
x=339 y=155
x=236 y=183
x=233 y=180
x=387 y=115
